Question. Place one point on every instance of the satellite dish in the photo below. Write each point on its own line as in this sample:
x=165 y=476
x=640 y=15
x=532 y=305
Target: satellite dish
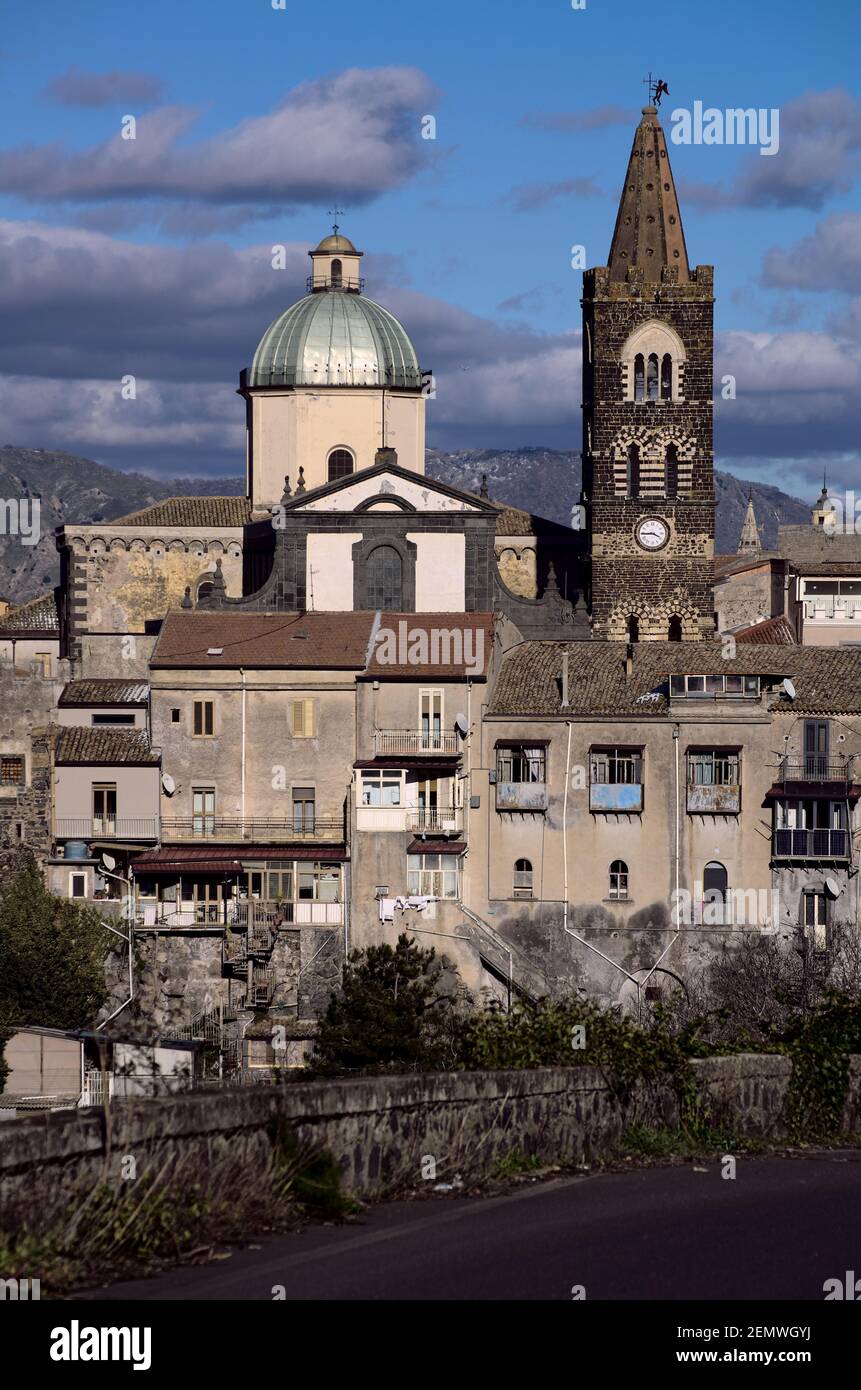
x=109 y=862
x=789 y=689
x=168 y=783
x=832 y=888
x=461 y=723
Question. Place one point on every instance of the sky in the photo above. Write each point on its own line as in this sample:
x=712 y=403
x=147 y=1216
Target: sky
x=152 y=258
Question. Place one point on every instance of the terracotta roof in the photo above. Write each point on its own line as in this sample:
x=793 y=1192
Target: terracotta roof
x=329 y=641
x=228 y=856
x=827 y=679
x=725 y=565
x=220 y=639
x=769 y=632
x=190 y=511
x=105 y=692
x=84 y=745
x=37 y=615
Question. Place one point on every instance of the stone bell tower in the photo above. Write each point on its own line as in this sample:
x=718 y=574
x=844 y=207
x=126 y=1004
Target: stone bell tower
x=647 y=414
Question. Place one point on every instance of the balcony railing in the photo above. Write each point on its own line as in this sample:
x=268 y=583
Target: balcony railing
x=319 y=282
x=816 y=767
x=107 y=828
x=811 y=844
x=521 y=796
x=724 y=799
x=620 y=797
x=271 y=830
x=270 y=915
x=436 y=820
x=410 y=743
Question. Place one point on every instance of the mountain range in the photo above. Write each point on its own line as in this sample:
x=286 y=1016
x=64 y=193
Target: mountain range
x=545 y=482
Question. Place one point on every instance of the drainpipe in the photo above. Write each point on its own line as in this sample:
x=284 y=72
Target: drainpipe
x=565 y=827
x=242 y=756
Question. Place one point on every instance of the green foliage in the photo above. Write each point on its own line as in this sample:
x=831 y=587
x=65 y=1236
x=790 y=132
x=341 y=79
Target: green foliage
x=515 y=1163
x=52 y=953
x=387 y=1013
x=316 y=1177
x=819 y=1046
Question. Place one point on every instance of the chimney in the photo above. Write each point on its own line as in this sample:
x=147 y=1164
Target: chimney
x=385 y=456
x=629 y=660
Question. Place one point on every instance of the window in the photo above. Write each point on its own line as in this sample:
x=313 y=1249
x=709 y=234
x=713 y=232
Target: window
x=104 y=808
x=44 y=659
x=340 y=464
x=279 y=885
x=816 y=745
x=615 y=766
x=816 y=918
x=204 y=589
x=652 y=377
x=432 y=875
x=671 y=471
x=633 y=628
x=174 y=716
x=666 y=377
x=430 y=718
x=77 y=885
x=715 y=894
x=203 y=809
x=381 y=789
x=113 y=719
x=320 y=883
x=303 y=810
x=633 y=470
x=713 y=687
x=522 y=879
x=385 y=579
x=11 y=771
x=639 y=377
x=337 y=275
x=674 y=632
x=520 y=763
x=713 y=769
x=303 y=719
x=618 y=886
x=204 y=719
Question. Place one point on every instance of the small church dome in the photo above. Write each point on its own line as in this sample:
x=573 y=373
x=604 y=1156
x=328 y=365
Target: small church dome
x=338 y=338
x=335 y=243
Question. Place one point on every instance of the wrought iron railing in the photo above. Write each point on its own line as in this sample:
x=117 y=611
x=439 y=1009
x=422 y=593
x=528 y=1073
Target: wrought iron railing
x=106 y=828
x=415 y=742
x=435 y=820
x=271 y=829
x=816 y=767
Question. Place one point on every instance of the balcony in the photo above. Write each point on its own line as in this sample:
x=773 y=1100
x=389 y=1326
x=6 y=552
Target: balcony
x=319 y=282
x=435 y=820
x=521 y=796
x=835 y=774
x=266 y=916
x=724 y=799
x=415 y=743
x=623 y=798
x=106 y=828
x=266 y=830
x=811 y=844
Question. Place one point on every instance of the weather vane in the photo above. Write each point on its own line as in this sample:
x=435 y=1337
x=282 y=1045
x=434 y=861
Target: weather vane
x=657 y=89
x=335 y=212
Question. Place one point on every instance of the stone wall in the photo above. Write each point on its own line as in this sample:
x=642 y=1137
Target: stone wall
x=383 y=1130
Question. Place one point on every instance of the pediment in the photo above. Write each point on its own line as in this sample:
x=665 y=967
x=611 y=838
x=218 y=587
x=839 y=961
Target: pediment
x=387 y=488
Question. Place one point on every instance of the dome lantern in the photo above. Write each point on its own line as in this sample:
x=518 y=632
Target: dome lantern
x=335 y=265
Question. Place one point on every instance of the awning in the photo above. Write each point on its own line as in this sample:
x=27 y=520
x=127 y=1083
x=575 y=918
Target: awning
x=421 y=764
x=436 y=847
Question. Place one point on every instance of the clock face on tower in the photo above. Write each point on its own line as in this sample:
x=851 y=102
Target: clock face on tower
x=652 y=533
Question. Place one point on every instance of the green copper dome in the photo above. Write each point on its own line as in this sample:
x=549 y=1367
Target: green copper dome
x=335 y=338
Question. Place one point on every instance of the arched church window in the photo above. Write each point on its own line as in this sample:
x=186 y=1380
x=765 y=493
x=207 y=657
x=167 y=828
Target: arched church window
x=671 y=471
x=652 y=377
x=385 y=579
x=340 y=464
x=633 y=470
x=639 y=377
x=633 y=628
x=204 y=589
x=666 y=377
x=336 y=275
x=675 y=629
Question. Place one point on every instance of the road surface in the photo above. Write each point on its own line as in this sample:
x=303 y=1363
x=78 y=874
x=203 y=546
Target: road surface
x=777 y=1231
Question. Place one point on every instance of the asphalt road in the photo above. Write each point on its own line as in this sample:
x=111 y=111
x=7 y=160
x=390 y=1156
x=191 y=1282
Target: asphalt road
x=777 y=1231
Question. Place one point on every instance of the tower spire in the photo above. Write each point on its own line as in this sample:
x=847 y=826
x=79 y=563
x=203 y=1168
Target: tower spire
x=749 y=541
x=648 y=236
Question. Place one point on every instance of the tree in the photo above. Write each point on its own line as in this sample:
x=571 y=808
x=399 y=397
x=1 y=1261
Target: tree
x=387 y=1012
x=52 y=955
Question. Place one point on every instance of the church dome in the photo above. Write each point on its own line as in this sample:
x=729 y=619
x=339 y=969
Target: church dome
x=336 y=243
x=335 y=338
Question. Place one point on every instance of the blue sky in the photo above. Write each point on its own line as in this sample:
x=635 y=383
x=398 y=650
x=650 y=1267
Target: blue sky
x=152 y=257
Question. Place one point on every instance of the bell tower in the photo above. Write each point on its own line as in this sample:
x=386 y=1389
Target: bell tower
x=648 y=463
